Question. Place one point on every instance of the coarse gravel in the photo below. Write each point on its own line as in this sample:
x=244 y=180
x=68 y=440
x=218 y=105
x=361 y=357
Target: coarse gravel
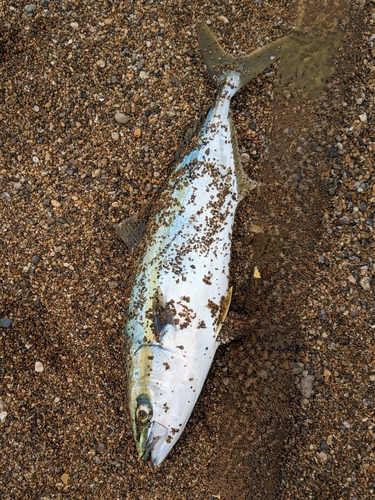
x=97 y=100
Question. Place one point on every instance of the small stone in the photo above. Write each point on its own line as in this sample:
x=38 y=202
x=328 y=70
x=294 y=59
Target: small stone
x=36 y=108
x=323 y=314
x=365 y=283
x=35 y=259
x=223 y=19
x=363 y=117
x=362 y=206
x=39 y=367
x=121 y=118
x=5 y=323
x=113 y=284
x=65 y=478
x=344 y=220
x=245 y=158
x=55 y=203
x=285 y=365
x=30 y=8
x=248 y=382
x=74 y=25
x=143 y=75
x=323 y=456
x=115 y=136
x=326 y=375
x=352 y=279
x=97 y=459
x=306 y=386
x=298 y=368
x=101 y=447
x=3 y=416
x=100 y=63
x=137 y=132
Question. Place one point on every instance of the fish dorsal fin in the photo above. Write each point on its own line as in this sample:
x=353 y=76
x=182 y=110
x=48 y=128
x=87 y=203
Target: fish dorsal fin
x=130 y=231
x=224 y=308
x=163 y=313
x=219 y=62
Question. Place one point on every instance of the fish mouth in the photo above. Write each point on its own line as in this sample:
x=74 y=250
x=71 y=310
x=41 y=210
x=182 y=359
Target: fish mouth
x=157 y=447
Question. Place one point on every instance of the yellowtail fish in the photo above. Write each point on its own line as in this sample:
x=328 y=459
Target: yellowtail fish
x=180 y=295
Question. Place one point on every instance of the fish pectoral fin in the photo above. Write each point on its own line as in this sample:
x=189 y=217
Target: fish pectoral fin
x=163 y=313
x=224 y=308
x=130 y=231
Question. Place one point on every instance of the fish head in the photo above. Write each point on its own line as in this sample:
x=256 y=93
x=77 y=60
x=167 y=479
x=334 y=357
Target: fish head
x=162 y=396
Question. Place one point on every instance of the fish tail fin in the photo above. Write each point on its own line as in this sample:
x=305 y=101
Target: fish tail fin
x=220 y=64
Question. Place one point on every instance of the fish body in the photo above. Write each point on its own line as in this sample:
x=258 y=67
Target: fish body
x=180 y=294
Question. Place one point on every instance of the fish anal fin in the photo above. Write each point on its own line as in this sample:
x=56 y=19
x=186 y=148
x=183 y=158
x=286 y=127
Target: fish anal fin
x=224 y=308
x=237 y=327
x=244 y=183
x=130 y=231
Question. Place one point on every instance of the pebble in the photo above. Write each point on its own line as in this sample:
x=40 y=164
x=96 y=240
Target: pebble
x=39 y=367
x=121 y=118
x=5 y=323
x=365 y=283
x=323 y=456
x=74 y=25
x=115 y=136
x=100 y=63
x=137 y=132
x=101 y=447
x=306 y=386
x=326 y=375
x=3 y=416
x=30 y=7
x=245 y=158
x=298 y=368
x=35 y=259
x=224 y=19
x=65 y=478
x=55 y=203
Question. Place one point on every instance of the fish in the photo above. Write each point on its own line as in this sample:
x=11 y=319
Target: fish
x=180 y=293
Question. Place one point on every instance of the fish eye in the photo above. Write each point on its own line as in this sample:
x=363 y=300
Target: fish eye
x=144 y=413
